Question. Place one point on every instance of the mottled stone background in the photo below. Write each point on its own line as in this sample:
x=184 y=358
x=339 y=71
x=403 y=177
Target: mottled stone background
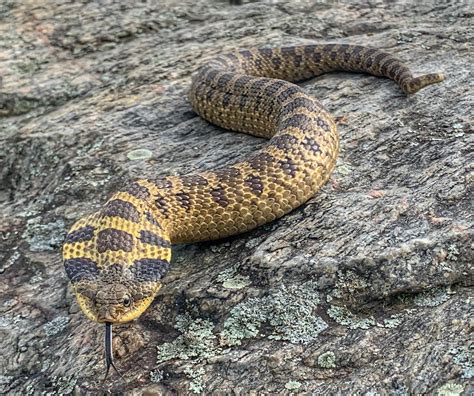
x=366 y=289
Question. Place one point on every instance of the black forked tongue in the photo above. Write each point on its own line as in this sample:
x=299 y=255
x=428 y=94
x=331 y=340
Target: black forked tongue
x=109 y=355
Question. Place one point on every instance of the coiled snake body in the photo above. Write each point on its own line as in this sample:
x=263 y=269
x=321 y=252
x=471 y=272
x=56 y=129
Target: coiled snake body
x=116 y=257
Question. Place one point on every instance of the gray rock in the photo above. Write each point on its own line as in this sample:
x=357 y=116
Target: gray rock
x=376 y=269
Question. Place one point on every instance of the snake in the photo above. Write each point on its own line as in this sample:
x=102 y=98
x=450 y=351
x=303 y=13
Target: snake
x=116 y=257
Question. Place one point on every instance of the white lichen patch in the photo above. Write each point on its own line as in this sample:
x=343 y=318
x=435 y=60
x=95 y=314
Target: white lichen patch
x=288 y=311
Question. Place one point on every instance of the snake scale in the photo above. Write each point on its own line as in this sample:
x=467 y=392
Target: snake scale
x=116 y=257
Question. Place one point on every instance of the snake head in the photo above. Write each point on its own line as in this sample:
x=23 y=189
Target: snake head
x=116 y=294
x=114 y=303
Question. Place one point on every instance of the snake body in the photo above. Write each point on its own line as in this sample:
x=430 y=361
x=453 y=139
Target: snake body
x=116 y=257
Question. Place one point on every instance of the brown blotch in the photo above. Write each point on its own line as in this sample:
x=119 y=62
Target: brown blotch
x=299 y=102
x=184 y=200
x=80 y=235
x=227 y=174
x=242 y=82
x=274 y=87
x=218 y=195
x=296 y=120
x=149 y=216
x=226 y=99
x=380 y=56
x=224 y=80
x=322 y=124
x=311 y=145
x=260 y=161
x=276 y=61
x=193 y=181
x=246 y=54
x=243 y=101
x=120 y=208
x=112 y=239
x=284 y=142
x=137 y=191
x=163 y=184
x=162 y=205
x=288 y=93
x=288 y=166
x=288 y=52
x=153 y=239
x=265 y=52
x=255 y=183
x=384 y=69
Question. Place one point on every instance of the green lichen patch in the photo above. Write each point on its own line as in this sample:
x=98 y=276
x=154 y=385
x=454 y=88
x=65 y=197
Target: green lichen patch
x=231 y=280
x=288 y=311
x=156 y=376
x=346 y=318
x=463 y=358
x=431 y=298
x=450 y=389
x=196 y=384
x=350 y=282
x=139 y=155
x=56 y=326
x=327 y=360
x=197 y=341
x=392 y=322
x=63 y=385
x=293 y=385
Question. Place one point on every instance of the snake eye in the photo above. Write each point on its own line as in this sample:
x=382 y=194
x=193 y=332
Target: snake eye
x=126 y=301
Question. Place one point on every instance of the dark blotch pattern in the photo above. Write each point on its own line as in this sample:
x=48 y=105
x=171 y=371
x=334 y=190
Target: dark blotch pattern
x=162 y=205
x=242 y=82
x=288 y=166
x=184 y=200
x=78 y=269
x=149 y=270
x=149 y=216
x=137 y=191
x=296 y=121
x=322 y=124
x=227 y=174
x=112 y=239
x=296 y=103
x=311 y=145
x=122 y=209
x=193 y=181
x=218 y=195
x=81 y=235
x=153 y=239
x=255 y=184
x=284 y=142
x=288 y=93
x=260 y=161
x=163 y=184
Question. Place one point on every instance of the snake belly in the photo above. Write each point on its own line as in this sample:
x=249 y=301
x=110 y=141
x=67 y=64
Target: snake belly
x=116 y=257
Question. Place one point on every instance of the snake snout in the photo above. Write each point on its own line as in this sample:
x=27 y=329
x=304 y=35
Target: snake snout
x=107 y=314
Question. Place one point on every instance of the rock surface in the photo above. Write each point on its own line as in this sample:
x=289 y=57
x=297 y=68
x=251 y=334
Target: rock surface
x=366 y=289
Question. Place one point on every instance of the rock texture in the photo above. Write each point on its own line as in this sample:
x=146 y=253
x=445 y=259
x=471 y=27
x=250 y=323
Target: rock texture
x=367 y=289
